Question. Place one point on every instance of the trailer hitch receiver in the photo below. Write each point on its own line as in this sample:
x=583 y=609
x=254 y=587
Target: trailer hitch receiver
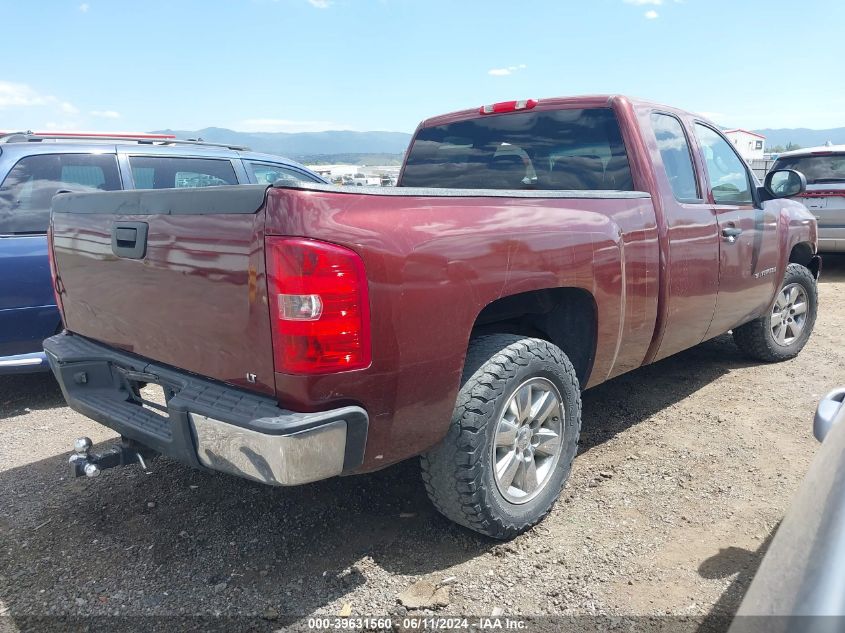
x=85 y=463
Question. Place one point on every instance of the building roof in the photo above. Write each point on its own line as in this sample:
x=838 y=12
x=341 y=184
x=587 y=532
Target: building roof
x=744 y=132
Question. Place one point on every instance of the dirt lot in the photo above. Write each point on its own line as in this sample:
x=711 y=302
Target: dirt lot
x=686 y=468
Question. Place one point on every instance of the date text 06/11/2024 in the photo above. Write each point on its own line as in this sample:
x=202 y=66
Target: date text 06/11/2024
x=417 y=624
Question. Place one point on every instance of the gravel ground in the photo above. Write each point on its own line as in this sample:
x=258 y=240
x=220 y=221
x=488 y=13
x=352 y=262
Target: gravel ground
x=686 y=467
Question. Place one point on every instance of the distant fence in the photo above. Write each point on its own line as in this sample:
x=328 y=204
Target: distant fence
x=761 y=166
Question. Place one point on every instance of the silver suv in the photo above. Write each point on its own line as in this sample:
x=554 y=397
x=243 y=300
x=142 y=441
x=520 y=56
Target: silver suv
x=824 y=168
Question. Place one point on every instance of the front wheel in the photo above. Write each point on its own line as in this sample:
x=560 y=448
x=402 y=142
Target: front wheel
x=513 y=437
x=783 y=332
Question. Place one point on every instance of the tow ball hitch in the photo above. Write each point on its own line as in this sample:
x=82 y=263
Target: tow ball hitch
x=84 y=462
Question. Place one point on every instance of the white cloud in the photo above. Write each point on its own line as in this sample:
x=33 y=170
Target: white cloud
x=20 y=95
x=320 y=4
x=84 y=7
x=651 y=15
x=14 y=95
x=105 y=114
x=287 y=125
x=502 y=72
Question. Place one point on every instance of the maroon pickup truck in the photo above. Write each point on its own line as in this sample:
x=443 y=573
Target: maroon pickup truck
x=531 y=250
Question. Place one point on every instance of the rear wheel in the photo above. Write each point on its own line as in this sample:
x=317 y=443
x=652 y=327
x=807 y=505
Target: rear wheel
x=783 y=332
x=513 y=437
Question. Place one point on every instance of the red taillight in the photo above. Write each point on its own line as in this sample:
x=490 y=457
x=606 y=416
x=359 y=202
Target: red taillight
x=319 y=306
x=508 y=106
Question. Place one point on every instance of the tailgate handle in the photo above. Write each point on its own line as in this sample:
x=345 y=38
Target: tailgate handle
x=129 y=239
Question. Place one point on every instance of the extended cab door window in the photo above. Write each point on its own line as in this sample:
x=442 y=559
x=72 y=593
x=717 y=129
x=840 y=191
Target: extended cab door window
x=28 y=189
x=168 y=172
x=677 y=157
x=726 y=171
x=267 y=173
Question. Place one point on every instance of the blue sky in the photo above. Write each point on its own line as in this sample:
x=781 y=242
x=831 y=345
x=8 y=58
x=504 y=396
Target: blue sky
x=304 y=65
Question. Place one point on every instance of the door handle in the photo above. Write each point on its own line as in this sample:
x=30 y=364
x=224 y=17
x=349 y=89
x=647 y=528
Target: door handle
x=129 y=239
x=730 y=233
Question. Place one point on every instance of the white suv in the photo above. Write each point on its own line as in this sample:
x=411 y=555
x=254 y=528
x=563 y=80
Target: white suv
x=824 y=168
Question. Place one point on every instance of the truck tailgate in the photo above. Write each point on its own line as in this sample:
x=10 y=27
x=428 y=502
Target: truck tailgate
x=176 y=276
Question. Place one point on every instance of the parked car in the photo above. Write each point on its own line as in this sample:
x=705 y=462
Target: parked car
x=456 y=316
x=34 y=166
x=800 y=578
x=361 y=180
x=824 y=168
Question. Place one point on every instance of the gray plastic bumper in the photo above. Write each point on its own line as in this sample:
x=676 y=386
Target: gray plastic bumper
x=206 y=424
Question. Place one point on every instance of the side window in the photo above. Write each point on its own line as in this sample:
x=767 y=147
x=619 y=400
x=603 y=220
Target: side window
x=166 y=172
x=726 y=171
x=267 y=174
x=676 y=156
x=28 y=189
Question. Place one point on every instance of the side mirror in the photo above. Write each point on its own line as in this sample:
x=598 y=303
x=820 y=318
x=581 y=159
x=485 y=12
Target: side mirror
x=784 y=183
x=830 y=410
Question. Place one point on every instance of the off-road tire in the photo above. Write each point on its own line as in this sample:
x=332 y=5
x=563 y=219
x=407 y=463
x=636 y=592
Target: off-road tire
x=458 y=473
x=756 y=340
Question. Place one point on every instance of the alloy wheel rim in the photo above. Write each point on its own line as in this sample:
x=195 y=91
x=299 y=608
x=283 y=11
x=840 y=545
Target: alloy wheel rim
x=789 y=314
x=528 y=440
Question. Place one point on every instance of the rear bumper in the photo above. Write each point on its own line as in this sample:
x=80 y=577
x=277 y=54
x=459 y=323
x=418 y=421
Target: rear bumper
x=24 y=363
x=831 y=239
x=206 y=424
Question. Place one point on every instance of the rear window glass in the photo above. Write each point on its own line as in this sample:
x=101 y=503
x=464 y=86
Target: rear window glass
x=817 y=169
x=165 y=172
x=28 y=189
x=556 y=149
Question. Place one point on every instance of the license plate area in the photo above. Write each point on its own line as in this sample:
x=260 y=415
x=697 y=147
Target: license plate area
x=147 y=391
x=153 y=397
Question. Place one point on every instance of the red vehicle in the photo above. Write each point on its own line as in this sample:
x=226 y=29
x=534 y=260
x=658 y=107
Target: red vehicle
x=531 y=250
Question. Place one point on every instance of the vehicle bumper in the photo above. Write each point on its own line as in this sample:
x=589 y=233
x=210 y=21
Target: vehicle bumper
x=24 y=363
x=206 y=424
x=831 y=239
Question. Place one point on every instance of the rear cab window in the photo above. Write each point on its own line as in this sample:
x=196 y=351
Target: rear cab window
x=28 y=189
x=169 y=172
x=562 y=149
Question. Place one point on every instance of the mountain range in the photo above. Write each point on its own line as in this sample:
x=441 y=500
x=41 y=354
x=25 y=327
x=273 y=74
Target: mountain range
x=803 y=136
x=311 y=147
x=384 y=148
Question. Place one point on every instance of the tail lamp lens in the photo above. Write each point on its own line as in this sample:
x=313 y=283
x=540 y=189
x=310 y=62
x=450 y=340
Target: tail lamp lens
x=320 y=307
